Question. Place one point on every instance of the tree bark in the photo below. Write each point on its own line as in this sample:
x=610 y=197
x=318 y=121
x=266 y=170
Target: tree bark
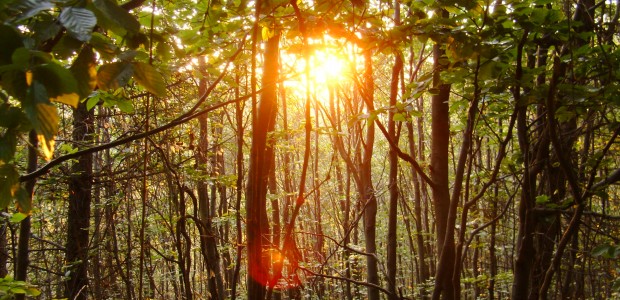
x=260 y=163
x=366 y=187
x=80 y=196
x=392 y=241
x=439 y=172
x=23 y=245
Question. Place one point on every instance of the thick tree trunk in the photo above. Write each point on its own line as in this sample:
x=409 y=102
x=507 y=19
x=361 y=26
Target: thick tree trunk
x=260 y=163
x=439 y=172
x=80 y=186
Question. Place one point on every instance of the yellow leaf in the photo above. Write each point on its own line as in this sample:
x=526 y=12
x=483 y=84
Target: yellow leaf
x=69 y=99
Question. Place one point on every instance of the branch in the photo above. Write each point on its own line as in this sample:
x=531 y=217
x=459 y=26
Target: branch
x=44 y=169
x=133 y=4
x=189 y=115
x=404 y=156
x=347 y=279
x=612 y=178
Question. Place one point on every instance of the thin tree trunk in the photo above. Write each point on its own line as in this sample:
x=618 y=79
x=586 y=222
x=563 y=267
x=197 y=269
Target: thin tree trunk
x=23 y=247
x=392 y=241
x=367 y=189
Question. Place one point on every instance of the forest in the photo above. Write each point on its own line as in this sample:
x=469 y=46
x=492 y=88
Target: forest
x=309 y=149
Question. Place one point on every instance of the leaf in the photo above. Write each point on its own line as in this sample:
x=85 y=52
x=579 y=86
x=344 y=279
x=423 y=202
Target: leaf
x=104 y=46
x=31 y=8
x=399 y=117
x=59 y=83
x=11 y=40
x=17 y=290
x=42 y=115
x=600 y=250
x=84 y=71
x=8 y=145
x=115 y=75
x=125 y=106
x=116 y=17
x=91 y=102
x=14 y=83
x=78 y=21
x=33 y=292
x=17 y=217
x=542 y=199
x=24 y=200
x=148 y=77
x=9 y=183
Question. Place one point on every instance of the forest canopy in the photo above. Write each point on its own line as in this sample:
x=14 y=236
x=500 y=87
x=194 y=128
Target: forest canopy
x=293 y=149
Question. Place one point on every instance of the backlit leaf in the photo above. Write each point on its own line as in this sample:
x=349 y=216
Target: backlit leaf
x=149 y=78
x=114 y=75
x=17 y=217
x=84 y=71
x=43 y=117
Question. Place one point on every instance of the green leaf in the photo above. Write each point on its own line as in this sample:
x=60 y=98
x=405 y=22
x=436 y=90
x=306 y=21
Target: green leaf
x=601 y=250
x=104 y=46
x=125 y=106
x=17 y=217
x=91 y=102
x=24 y=200
x=399 y=117
x=78 y=21
x=59 y=83
x=115 y=75
x=8 y=145
x=11 y=40
x=17 y=290
x=9 y=183
x=115 y=18
x=14 y=83
x=84 y=71
x=148 y=77
x=67 y=47
x=542 y=199
x=33 y=292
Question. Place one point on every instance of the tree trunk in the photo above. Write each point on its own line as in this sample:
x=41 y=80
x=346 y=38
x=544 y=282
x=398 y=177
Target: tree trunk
x=23 y=245
x=366 y=187
x=205 y=206
x=392 y=241
x=440 y=138
x=260 y=163
x=80 y=186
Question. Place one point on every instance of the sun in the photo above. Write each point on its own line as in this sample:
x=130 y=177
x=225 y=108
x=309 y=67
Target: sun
x=326 y=65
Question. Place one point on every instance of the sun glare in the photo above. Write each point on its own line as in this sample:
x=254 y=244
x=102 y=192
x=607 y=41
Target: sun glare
x=330 y=65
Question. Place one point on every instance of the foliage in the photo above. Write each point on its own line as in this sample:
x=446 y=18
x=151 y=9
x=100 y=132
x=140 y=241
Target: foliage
x=10 y=287
x=49 y=56
x=167 y=201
